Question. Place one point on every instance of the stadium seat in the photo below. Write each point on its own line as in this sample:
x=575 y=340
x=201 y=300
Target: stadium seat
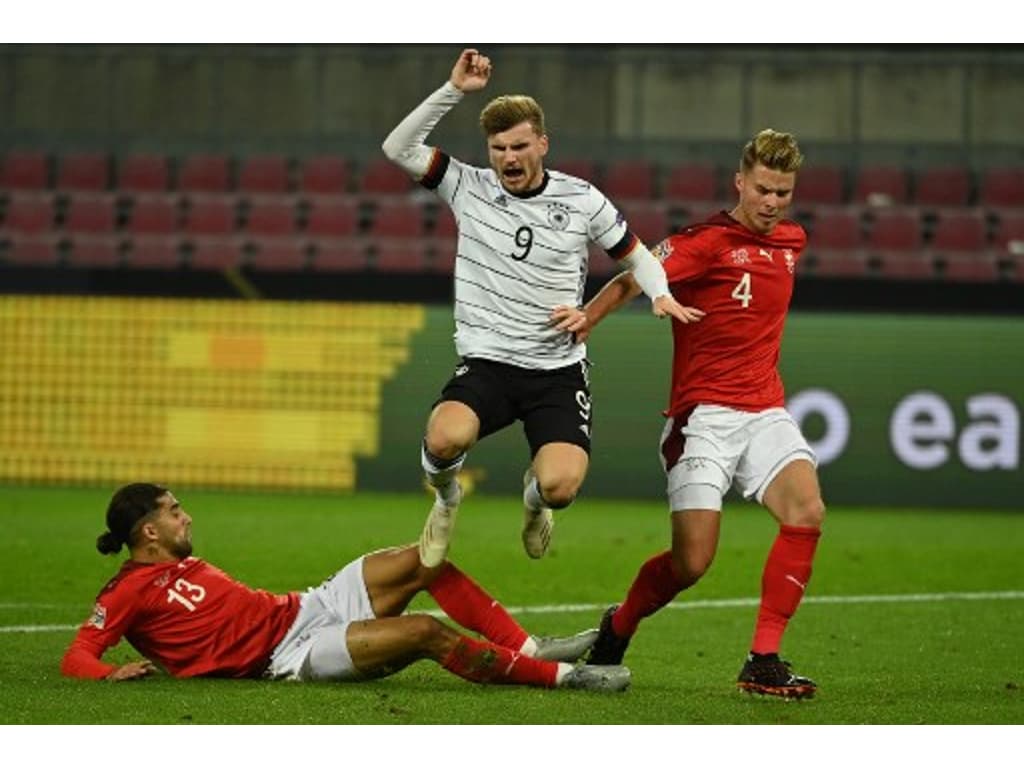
x=905 y=265
x=211 y=215
x=272 y=254
x=959 y=229
x=25 y=170
x=821 y=185
x=29 y=213
x=648 y=221
x=600 y=264
x=382 y=177
x=333 y=217
x=143 y=173
x=91 y=214
x=972 y=267
x=33 y=250
x=836 y=229
x=85 y=250
x=1009 y=231
x=213 y=252
x=896 y=229
x=153 y=214
x=324 y=175
x=629 y=180
x=444 y=250
x=842 y=263
x=398 y=218
x=83 y=172
x=1015 y=267
x=204 y=173
x=691 y=182
x=881 y=185
x=263 y=175
x=1002 y=187
x=578 y=167
x=401 y=255
x=347 y=254
x=154 y=251
x=938 y=187
x=271 y=216
x=444 y=223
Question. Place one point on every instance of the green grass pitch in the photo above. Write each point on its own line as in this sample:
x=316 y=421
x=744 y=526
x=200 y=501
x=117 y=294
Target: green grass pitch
x=912 y=616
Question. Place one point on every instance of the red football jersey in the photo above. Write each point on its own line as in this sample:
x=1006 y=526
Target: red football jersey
x=187 y=616
x=744 y=282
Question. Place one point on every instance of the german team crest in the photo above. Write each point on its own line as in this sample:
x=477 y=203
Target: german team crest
x=558 y=216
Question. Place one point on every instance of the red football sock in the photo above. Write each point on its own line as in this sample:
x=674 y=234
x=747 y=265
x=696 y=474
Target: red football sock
x=654 y=586
x=467 y=603
x=786 y=574
x=484 y=662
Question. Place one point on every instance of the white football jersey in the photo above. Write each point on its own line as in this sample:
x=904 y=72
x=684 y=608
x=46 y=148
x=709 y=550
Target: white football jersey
x=518 y=258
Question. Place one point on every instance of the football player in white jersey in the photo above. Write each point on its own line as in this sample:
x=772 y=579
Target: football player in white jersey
x=520 y=273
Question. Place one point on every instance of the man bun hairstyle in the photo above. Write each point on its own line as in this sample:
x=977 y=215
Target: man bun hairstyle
x=127 y=507
x=774 y=150
x=508 y=111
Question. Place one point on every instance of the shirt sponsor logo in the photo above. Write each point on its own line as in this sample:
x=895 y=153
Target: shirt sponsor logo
x=462 y=370
x=501 y=200
x=788 y=256
x=99 y=617
x=766 y=254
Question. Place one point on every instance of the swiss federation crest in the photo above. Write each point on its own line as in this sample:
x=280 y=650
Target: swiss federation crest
x=558 y=216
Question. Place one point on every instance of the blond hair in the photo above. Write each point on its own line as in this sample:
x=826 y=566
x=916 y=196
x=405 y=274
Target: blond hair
x=506 y=112
x=774 y=150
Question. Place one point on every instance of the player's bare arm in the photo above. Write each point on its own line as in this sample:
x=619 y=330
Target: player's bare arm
x=471 y=72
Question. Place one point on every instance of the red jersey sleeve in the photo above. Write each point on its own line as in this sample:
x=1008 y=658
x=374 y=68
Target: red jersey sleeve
x=101 y=631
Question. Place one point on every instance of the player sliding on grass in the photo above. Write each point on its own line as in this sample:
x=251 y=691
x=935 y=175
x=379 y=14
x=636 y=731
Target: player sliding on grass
x=190 y=618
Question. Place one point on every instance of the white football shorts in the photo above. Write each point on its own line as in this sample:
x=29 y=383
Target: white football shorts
x=723 y=447
x=315 y=647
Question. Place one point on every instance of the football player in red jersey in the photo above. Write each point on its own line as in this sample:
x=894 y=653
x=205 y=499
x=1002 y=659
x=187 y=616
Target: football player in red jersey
x=727 y=425
x=190 y=618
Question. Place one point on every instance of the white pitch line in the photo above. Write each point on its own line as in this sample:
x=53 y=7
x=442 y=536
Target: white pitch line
x=739 y=602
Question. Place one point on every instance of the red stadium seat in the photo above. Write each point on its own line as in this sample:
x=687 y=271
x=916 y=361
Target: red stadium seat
x=692 y=183
x=346 y=254
x=881 y=185
x=271 y=216
x=842 y=263
x=905 y=265
x=25 y=170
x=1002 y=187
x=444 y=223
x=263 y=175
x=820 y=184
x=973 y=267
x=649 y=222
x=629 y=180
x=91 y=214
x=154 y=214
x=404 y=255
x=94 y=251
x=1009 y=232
x=580 y=168
x=29 y=213
x=155 y=251
x=398 y=218
x=382 y=177
x=33 y=250
x=1015 y=267
x=897 y=229
x=333 y=217
x=143 y=173
x=938 y=187
x=836 y=229
x=204 y=173
x=211 y=215
x=83 y=172
x=272 y=254
x=212 y=252
x=959 y=229
x=444 y=253
x=324 y=175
